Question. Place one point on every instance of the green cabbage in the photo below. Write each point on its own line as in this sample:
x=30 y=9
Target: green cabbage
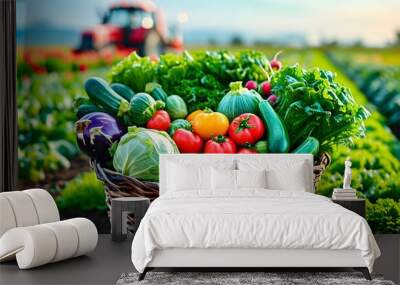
x=138 y=152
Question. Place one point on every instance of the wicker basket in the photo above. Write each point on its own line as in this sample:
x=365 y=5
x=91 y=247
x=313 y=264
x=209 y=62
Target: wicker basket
x=117 y=185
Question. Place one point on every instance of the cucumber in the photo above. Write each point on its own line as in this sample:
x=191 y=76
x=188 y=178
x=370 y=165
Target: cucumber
x=105 y=97
x=278 y=139
x=176 y=107
x=310 y=145
x=123 y=90
x=156 y=91
x=86 y=109
x=261 y=146
x=179 y=124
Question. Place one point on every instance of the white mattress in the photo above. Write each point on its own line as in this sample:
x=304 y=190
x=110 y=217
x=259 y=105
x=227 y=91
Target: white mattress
x=253 y=219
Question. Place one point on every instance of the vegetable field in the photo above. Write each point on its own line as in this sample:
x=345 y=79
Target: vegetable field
x=49 y=155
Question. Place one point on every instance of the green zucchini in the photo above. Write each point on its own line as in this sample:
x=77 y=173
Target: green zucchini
x=261 y=146
x=179 y=124
x=105 y=97
x=278 y=139
x=142 y=108
x=310 y=145
x=86 y=109
x=156 y=91
x=176 y=107
x=123 y=90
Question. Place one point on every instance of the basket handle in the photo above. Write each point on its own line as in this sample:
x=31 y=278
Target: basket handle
x=100 y=172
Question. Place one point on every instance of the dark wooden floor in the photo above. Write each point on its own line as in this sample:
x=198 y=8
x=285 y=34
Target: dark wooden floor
x=110 y=259
x=103 y=266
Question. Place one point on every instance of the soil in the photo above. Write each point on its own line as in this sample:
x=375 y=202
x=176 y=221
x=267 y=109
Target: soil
x=58 y=179
x=100 y=219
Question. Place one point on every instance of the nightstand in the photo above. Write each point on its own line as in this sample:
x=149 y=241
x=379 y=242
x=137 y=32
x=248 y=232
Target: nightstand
x=356 y=205
x=120 y=208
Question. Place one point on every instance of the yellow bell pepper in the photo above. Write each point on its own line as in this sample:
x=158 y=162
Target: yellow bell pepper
x=207 y=123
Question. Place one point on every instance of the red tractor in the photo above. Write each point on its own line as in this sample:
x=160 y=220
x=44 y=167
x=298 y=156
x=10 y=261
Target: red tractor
x=132 y=25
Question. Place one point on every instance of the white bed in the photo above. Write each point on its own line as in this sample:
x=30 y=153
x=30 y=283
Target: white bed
x=209 y=226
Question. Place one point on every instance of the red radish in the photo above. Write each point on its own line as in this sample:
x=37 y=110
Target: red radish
x=265 y=89
x=275 y=63
x=247 y=150
x=272 y=99
x=251 y=84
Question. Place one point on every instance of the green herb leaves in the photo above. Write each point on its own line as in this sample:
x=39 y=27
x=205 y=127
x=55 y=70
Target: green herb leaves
x=201 y=78
x=311 y=103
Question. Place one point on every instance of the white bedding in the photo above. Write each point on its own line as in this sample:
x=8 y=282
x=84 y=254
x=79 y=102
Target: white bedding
x=251 y=218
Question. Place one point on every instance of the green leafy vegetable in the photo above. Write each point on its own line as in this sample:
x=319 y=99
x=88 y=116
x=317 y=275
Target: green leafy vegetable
x=138 y=152
x=201 y=78
x=311 y=103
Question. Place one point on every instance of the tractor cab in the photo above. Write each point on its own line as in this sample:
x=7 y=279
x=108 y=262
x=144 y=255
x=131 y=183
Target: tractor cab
x=137 y=25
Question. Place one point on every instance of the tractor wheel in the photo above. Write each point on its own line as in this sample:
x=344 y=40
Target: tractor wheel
x=152 y=46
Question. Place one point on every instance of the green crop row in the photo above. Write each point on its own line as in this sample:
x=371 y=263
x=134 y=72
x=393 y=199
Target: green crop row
x=46 y=117
x=376 y=163
x=380 y=83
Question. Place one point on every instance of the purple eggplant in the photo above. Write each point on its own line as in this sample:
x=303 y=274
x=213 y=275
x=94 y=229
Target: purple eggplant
x=96 y=132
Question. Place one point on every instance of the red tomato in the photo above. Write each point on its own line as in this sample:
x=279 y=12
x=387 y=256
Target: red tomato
x=160 y=121
x=247 y=150
x=187 y=141
x=220 y=144
x=246 y=129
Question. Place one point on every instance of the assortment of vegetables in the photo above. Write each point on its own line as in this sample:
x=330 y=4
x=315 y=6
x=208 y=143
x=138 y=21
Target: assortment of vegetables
x=280 y=109
x=46 y=123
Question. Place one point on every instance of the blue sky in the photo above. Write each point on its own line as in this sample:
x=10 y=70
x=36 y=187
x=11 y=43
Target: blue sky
x=373 y=21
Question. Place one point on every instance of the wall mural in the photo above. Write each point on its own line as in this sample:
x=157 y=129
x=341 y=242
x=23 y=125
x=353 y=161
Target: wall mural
x=93 y=114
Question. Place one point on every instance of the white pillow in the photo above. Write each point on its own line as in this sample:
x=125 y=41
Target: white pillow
x=291 y=179
x=223 y=179
x=282 y=174
x=251 y=178
x=181 y=177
